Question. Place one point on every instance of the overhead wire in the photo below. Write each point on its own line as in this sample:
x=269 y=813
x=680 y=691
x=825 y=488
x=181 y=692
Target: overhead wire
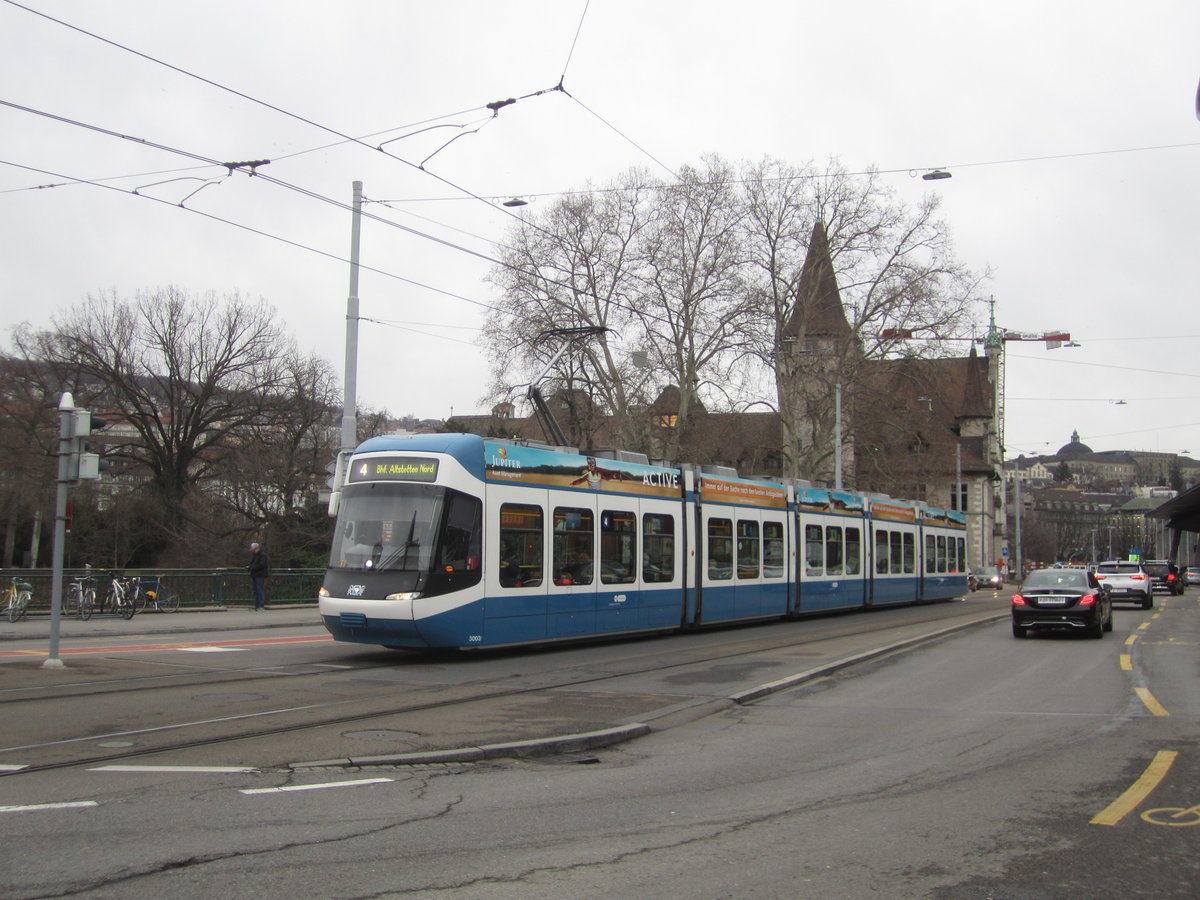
x=258 y=231
x=327 y=254
x=281 y=111
x=344 y=138
x=1076 y=362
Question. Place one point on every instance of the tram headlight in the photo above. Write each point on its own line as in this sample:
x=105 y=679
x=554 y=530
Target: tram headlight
x=404 y=595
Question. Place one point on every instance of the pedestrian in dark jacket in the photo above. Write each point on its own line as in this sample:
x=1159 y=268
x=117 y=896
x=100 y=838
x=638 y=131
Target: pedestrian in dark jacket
x=259 y=570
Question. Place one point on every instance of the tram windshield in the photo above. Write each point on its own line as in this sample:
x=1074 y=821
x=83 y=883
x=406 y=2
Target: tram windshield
x=389 y=527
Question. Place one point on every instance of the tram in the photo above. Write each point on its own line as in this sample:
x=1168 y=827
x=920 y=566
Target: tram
x=460 y=541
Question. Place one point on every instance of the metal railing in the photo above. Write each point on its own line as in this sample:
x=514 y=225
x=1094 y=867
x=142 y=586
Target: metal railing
x=196 y=589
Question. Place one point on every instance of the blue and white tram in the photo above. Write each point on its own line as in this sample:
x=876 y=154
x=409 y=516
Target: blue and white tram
x=454 y=540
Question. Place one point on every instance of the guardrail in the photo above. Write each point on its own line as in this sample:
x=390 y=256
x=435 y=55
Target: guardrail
x=196 y=589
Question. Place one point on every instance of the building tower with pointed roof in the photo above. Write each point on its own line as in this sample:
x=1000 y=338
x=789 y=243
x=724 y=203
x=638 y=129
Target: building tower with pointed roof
x=816 y=351
x=978 y=457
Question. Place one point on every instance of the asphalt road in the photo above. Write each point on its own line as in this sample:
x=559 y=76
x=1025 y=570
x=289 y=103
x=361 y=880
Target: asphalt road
x=972 y=765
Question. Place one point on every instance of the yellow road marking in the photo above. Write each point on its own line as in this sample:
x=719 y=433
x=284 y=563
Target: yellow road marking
x=1129 y=641
x=1151 y=704
x=1138 y=791
x=1126 y=662
x=1174 y=816
x=1143 y=626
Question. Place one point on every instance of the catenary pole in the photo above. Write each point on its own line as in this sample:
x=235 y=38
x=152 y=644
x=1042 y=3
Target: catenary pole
x=350 y=384
x=66 y=414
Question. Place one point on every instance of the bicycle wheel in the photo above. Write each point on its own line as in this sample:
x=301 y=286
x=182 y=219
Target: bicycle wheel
x=87 y=603
x=138 y=599
x=74 y=603
x=110 y=601
x=167 y=601
x=20 y=606
x=11 y=606
x=127 y=608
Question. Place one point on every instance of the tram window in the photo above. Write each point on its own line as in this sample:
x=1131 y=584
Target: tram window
x=930 y=554
x=773 y=550
x=658 y=548
x=910 y=554
x=941 y=552
x=573 y=546
x=960 y=564
x=897 y=545
x=720 y=549
x=853 y=551
x=881 y=552
x=520 y=545
x=749 y=550
x=814 y=550
x=833 y=550
x=462 y=529
x=618 y=547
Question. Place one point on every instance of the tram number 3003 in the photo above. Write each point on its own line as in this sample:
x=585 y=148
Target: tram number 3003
x=474 y=638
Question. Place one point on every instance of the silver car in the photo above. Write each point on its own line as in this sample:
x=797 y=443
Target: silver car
x=1127 y=581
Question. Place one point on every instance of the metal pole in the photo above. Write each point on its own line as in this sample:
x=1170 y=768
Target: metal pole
x=1017 y=549
x=66 y=426
x=837 y=446
x=350 y=386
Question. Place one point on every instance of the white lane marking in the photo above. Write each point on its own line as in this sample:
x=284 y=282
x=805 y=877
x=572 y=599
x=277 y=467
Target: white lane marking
x=80 y=804
x=211 y=649
x=218 y=769
x=316 y=787
x=13 y=768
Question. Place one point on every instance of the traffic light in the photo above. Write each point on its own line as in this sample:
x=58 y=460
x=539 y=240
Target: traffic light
x=82 y=464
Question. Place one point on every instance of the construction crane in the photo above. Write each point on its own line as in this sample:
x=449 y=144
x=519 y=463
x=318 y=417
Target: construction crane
x=994 y=343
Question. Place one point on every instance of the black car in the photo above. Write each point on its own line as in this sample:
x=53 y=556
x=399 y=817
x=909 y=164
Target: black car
x=1062 y=600
x=1165 y=575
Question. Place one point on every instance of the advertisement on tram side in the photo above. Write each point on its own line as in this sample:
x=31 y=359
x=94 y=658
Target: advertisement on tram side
x=509 y=464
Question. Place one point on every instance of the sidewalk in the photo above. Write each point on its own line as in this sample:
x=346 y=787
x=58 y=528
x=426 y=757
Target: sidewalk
x=36 y=626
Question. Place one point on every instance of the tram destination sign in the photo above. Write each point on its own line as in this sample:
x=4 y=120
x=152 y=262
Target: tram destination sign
x=393 y=468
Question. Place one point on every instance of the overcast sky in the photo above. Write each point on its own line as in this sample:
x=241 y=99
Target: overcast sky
x=1069 y=128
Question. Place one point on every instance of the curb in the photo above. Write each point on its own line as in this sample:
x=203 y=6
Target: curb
x=667 y=717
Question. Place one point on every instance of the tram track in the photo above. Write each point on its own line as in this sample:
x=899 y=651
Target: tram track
x=637 y=658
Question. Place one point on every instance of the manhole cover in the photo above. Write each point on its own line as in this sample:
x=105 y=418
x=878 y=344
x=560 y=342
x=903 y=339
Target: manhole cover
x=381 y=734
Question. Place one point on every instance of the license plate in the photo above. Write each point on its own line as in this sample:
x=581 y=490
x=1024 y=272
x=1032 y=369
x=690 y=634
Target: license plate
x=1052 y=601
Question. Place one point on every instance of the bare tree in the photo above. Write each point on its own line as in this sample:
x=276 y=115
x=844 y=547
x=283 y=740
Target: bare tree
x=28 y=442
x=272 y=474
x=188 y=380
x=574 y=267
x=695 y=306
x=706 y=278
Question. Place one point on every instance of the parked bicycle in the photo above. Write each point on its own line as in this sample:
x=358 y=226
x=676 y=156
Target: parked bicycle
x=120 y=596
x=17 y=599
x=151 y=592
x=81 y=595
